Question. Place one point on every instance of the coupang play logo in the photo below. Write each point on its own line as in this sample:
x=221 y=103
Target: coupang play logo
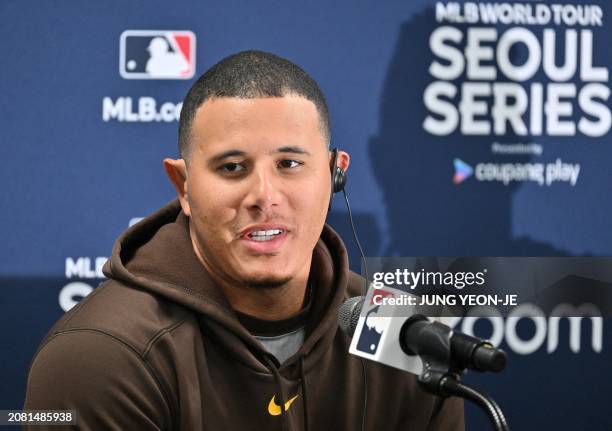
x=462 y=171
x=543 y=174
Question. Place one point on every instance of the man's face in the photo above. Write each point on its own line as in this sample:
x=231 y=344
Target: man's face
x=258 y=186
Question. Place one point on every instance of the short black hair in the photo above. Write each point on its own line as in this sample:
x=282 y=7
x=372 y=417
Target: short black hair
x=249 y=75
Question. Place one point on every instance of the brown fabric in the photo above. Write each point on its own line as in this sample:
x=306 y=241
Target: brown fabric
x=157 y=347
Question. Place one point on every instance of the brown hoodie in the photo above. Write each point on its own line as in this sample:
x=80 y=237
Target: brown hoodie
x=158 y=347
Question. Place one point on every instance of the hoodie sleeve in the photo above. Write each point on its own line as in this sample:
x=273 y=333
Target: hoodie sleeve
x=448 y=415
x=99 y=376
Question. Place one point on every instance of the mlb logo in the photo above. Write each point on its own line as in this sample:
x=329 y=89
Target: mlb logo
x=157 y=54
x=375 y=324
x=372 y=331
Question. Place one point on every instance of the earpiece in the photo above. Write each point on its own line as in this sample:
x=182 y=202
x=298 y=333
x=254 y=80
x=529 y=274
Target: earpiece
x=338 y=179
x=338 y=175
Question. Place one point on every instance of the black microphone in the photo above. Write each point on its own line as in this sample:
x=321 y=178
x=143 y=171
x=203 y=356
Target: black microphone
x=419 y=335
x=348 y=315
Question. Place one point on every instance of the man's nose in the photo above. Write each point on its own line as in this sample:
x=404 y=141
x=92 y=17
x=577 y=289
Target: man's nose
x=264 y=190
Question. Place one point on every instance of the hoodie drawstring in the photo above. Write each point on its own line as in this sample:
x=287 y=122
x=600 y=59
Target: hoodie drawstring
x=281 y=393
x=277 y=379
x=304 y=392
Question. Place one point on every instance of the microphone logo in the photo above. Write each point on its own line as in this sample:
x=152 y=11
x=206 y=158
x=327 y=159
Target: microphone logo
x=372 y=331
x=374 y=326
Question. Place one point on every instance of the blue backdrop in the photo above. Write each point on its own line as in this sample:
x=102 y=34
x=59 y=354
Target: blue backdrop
x=470 y=132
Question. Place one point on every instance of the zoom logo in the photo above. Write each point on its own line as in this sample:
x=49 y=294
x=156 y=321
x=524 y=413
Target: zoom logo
x=546 y=329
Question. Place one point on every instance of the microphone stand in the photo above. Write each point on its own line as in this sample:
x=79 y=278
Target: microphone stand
x=442 y=376
x=452 y=386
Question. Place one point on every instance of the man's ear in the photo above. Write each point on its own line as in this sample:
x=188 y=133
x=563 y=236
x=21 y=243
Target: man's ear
x=176 y=169
x=343 y=161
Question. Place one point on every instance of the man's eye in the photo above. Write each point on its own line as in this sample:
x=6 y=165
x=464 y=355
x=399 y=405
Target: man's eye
x=231 y=168
x=289 y=164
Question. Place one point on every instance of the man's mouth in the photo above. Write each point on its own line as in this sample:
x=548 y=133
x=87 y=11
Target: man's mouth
x=265 y=235
x=264 y=238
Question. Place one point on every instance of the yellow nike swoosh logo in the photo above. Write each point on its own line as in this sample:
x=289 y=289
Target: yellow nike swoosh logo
x=275 y=410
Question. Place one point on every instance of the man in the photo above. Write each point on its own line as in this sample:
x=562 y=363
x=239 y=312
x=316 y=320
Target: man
x=221 y=308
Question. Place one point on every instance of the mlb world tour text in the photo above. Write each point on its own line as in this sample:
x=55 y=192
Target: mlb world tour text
x=556 y=89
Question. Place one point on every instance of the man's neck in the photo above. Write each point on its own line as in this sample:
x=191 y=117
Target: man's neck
x=267 y=303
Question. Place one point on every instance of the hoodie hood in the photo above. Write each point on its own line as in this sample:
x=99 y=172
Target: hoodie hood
x=157 y=255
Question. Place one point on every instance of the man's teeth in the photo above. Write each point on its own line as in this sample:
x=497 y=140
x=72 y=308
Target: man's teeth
x=264 y=235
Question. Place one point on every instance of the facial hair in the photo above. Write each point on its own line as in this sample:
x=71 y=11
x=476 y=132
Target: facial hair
x=271 y=283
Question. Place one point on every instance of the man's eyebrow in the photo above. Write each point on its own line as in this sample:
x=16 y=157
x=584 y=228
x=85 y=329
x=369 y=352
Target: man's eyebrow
x=292 y=149
x=226 y=154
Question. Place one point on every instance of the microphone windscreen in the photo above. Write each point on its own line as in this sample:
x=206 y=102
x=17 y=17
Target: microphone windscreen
x=348 y=316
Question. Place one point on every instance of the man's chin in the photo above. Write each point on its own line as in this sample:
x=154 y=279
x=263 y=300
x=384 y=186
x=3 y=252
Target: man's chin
x=267 y=282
